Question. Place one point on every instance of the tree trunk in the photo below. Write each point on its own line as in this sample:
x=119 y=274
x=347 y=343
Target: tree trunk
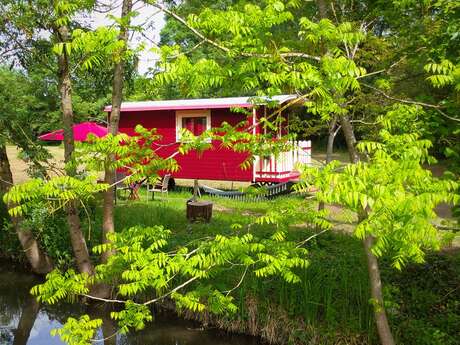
x=329 y=149
x=322 y=8
x=79 y=247
x=77 y=238
x=383 y=327
x=381 y=320
x=350 y=138
x=6 y=177
x=65 y=91
x=330 y=140
x=38 y=260
x=108 y=224
x=199 y=210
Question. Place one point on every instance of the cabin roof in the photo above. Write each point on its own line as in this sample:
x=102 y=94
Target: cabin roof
x=201 y=103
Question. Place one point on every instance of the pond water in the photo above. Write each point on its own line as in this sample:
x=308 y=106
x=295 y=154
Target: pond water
x=23 y=321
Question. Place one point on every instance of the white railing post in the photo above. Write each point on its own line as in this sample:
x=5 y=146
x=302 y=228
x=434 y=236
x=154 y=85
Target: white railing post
x=274 y=166
x=295 y=153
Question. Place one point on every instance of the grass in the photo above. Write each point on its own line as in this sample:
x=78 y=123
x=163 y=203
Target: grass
x=331 y=304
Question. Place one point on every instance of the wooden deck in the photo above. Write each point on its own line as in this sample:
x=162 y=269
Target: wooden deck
x=283 y=166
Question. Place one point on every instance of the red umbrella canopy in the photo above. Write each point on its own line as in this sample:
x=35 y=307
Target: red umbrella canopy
x=80 y=132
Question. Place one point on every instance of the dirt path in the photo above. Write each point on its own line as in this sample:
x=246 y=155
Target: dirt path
x=19 y=167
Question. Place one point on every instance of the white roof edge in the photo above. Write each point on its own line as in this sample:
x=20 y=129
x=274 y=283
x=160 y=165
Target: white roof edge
x=199 y=103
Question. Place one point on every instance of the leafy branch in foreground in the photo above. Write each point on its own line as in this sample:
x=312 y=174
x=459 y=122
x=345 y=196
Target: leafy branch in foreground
x=394 y=197
x=78 y=332
x=144 y=264
x=55 y=193
x=392 y=192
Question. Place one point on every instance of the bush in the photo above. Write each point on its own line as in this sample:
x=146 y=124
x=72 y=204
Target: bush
x=3 y=211
x=51 y=231
x=9 y=244
x=428 y=301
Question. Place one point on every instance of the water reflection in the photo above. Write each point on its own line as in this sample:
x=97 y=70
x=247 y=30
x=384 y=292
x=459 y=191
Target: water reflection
x=26 y=321
x=23 y=321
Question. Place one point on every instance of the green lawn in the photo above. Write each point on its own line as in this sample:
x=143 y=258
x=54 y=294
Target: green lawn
x=318 y=300
x=170 y=211
x=331 y=304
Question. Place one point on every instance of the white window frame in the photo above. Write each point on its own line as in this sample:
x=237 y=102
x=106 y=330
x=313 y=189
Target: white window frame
x=180 y=114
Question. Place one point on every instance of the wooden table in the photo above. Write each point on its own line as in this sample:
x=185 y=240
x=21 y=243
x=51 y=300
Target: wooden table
x=134 y=189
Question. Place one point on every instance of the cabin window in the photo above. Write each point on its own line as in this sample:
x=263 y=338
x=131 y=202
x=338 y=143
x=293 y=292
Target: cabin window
x=196 y=121
x=196 y=125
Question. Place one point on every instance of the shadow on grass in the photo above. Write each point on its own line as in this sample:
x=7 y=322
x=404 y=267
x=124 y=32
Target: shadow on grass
x=170 y=212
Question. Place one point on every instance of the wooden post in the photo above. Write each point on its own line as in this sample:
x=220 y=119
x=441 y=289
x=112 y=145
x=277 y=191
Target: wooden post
x=195 y=190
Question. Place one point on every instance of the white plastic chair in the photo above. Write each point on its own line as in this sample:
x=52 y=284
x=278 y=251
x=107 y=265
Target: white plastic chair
x=161 y=187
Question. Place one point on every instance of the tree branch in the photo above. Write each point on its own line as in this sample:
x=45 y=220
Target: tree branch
x=382 y=70
x=191 y=28
x=228 y=292
x=172 y=291
x=406 y=101
x=222 y=47
x=300 y=244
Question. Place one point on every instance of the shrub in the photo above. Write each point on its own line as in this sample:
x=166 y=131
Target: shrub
x=51 y=230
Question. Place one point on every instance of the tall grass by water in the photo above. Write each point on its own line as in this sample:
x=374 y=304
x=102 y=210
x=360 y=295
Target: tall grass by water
x=333 y=294
x=331 y=304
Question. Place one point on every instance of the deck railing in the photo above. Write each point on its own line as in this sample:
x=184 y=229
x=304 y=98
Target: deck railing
x=283 y=164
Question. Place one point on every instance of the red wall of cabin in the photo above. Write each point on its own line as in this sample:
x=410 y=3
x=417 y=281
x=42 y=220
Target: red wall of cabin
x=213 y=164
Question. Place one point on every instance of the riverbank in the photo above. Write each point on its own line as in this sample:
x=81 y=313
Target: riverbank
x=423 y=309
x=24 y=321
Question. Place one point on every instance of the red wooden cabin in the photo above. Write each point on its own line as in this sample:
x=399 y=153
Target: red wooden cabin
x=197 y=115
